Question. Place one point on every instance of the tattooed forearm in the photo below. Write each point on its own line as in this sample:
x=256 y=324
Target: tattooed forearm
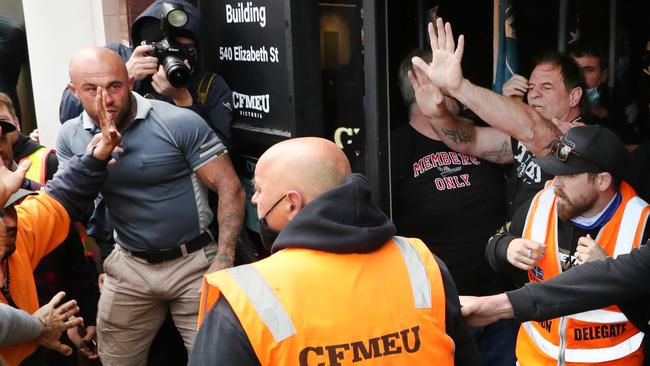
x=458 y=136
x=499 y=156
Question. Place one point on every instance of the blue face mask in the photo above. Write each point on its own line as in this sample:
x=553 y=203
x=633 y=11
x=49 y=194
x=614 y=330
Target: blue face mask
x=593 y=95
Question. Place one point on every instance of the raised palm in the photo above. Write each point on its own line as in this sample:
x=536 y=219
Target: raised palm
x=444 y=71
x=428 y=97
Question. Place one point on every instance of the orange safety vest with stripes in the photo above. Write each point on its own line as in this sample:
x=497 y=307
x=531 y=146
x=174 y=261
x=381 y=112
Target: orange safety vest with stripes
x=305 y=307
x=603 y=336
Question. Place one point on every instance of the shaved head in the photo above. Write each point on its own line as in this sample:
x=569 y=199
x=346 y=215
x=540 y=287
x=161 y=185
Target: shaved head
x=309 y=165
x=95 y=67
x=93 y=60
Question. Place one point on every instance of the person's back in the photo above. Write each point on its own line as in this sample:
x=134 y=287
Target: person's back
x=379 y=298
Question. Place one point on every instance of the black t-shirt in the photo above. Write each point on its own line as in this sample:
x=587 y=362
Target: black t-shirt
x=453 y=202
x=526 y=177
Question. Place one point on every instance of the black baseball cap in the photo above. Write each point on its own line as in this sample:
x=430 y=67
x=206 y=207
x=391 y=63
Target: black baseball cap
x=586 y=149
x=7 y=126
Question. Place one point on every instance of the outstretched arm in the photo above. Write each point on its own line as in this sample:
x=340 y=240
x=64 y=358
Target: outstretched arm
x=485 y=310
x=589 y=286
x=458 y=133
x=508 y=115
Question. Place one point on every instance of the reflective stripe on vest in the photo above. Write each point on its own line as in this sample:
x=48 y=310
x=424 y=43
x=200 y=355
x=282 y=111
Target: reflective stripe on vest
x=275 y=317
x=417 y=273
x=632 y=215
x=539 y=223
x=600 y=316
x=264 y=301
x=584 y=355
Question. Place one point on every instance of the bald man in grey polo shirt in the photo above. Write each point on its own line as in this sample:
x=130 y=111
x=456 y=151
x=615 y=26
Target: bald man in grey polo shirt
x=157 y=199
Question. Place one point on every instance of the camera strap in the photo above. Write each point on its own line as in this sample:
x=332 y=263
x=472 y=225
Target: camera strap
x=204 y=87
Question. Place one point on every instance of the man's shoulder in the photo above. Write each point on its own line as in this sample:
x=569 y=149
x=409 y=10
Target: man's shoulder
x=71 y=128
x=72 y=124
x=174 y=116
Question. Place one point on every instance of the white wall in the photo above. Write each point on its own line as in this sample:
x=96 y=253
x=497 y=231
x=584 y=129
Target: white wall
x=55 y=31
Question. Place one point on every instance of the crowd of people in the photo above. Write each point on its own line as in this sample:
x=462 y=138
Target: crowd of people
x=528 y=205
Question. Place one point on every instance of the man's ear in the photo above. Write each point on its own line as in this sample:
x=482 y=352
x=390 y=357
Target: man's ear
x=17 y=123
x=604 y=181
x=604 y=75
x=574 y=96
x=131 y=82
x=296 y=202
x=73 y=90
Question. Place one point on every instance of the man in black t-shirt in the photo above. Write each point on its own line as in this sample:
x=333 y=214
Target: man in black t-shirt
x=519 y=131
x=453 y=202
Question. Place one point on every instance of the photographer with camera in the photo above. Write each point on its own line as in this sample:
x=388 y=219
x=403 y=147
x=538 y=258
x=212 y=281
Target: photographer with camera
x=164 y=63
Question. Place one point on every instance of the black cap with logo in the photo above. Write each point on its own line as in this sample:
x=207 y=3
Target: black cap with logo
x=586 y=149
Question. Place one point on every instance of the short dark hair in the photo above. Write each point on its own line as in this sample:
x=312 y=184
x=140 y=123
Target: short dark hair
x=408 y=95
x=583 y=48
x=571 y=75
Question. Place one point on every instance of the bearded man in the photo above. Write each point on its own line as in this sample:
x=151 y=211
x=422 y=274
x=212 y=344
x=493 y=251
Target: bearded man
x=586 y=213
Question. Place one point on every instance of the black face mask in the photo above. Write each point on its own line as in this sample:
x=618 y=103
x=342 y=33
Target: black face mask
x=268 y=234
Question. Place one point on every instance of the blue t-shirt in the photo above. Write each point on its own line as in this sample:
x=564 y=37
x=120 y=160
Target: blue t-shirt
x=154 y=198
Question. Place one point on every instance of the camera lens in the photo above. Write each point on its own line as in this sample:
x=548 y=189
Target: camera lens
x=177 y=18
x=176 y=71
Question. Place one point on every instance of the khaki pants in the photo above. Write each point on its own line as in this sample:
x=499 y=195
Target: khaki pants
x=135 y=299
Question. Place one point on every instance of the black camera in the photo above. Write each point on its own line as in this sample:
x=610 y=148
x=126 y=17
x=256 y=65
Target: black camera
x=170 y=53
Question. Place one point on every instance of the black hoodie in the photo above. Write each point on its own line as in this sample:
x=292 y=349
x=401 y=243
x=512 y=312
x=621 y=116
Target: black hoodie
x=343 y=220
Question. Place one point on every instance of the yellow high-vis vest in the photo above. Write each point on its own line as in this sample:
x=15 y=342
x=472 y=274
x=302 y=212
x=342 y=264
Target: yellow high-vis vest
x=306 y=307
x=38 y=170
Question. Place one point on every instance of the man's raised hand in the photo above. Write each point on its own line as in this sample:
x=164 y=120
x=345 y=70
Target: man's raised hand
x=444 y=71
x=110 y=138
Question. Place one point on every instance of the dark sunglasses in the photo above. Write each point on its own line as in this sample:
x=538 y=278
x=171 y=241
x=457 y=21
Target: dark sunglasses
x=562 y=150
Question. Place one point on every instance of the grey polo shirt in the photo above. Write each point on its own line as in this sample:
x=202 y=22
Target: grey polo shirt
x=154 y=197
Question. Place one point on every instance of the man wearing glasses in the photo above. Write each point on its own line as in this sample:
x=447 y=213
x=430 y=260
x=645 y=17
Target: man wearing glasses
x=587 y=213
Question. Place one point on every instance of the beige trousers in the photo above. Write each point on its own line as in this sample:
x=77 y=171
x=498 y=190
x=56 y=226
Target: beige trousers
x=135 y=299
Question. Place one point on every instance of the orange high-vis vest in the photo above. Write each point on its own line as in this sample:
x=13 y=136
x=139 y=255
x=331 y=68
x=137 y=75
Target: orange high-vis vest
x=603 y=336
x=38 y=170
x=305 y=307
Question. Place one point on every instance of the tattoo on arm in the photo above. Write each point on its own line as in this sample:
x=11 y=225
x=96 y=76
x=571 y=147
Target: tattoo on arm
x=458 y=136
x=498 y=155
x=230 y=209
